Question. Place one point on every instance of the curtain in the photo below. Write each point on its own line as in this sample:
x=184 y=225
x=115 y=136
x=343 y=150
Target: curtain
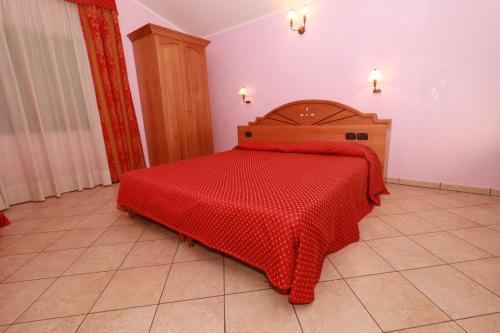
x=3 y=220
x=105 y=52
x=51 y=138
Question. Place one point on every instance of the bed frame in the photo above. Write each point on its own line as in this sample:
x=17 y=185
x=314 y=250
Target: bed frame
x=320 y=120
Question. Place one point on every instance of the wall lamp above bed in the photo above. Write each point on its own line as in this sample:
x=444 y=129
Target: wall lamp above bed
x=244 y=94
x=374 y=78
x=293 y=17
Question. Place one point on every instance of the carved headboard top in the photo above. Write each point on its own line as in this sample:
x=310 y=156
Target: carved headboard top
x=317 y=113
x=320 y=120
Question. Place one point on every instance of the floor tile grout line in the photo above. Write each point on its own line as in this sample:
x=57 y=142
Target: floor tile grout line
x=474 y=281
x=298 y=319
x=172 y=263
x=217 y=296
x=363 y=305
x=421 y=292
x=30 y=260
x=224 y=289
x=419 y=326
x=164 y=285
x=103 y=289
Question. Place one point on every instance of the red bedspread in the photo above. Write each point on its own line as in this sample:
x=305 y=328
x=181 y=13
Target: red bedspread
x=279 y=207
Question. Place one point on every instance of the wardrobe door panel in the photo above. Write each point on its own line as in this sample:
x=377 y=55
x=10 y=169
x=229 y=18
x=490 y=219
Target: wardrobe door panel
x=199 y=108
x=173 y=81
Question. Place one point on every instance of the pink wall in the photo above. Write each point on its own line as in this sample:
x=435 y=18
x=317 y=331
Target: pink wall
x=132 y=15
x=440 y=61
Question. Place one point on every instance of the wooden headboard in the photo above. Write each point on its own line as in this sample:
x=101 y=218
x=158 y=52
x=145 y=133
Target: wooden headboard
x=319 y=120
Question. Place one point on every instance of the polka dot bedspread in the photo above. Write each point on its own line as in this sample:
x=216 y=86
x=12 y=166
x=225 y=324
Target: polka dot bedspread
x=279 y=207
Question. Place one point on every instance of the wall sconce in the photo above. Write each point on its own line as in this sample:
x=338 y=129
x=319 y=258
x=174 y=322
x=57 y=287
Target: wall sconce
x=375 y=76
x=244 y=93
x=292 y=16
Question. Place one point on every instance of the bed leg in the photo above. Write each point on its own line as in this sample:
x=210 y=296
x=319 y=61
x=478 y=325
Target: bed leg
x=131 y=214
x=190 y=242
x=182 y=238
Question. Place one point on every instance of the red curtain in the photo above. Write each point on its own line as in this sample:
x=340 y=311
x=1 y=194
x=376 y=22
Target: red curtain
x=109 y=4
x=105 y=51
x=3 y=220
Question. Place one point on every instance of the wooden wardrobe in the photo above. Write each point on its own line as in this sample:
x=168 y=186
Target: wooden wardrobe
x=173 y=85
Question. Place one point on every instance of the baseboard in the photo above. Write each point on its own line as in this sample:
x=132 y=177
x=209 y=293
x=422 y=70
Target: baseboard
x=443 y=186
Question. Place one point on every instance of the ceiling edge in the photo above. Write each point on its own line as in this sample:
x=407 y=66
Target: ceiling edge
x=158 y=15
x=239 y=25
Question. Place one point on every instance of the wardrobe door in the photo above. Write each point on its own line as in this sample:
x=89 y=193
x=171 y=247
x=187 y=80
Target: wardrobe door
x=172 y=81
x=198 y=109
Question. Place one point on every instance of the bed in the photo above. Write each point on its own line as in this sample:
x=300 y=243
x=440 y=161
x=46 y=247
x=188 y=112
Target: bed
x=291 y=192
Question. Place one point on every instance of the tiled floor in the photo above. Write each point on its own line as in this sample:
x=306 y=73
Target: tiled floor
x=428 y=261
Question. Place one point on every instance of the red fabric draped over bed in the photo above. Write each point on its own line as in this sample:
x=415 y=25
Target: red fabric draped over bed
x=278 y=207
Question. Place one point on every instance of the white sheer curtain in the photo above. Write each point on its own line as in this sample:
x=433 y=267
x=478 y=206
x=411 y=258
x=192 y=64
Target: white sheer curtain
x=51 y=139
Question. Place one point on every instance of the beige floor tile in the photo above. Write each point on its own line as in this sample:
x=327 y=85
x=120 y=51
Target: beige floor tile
x=100 y=258
x=47 y=264
x=133 y=287
x=22 y=227
x=455 y=293
x=121 y=234
x=69 y=296
x=156 y=231
x=157 y=252
x=195 y=279
x=103 y=220
x=483 y=324
x=374 y=227
x=387 y=208
x=20 y=295
x=413 y=204
x=483 y=238
x=240 y=277
x=46 y=212
x=409 y=224
x=6 y=241
x=358 y=259
x=77 y=238
x=477 y=214
x=486 y=272
x=446 y=220
x=475 y=199
x=18 y=214
x=495 y=227
x=3 y=328
x=197 y=252
x=394 y=302
x=335 y=309
x=59 y=325
x=494 y=208
x=200 y=315
x=449 y=327
x=108 y=207
x=260 y=311
x=9 y=264
x=328 y=272
x=402 y=253
x=449 y=247
x=443 y=201
x=33 y=243
x=82 y=209
x=135 y=320
x=137 y=219
x=61 y=223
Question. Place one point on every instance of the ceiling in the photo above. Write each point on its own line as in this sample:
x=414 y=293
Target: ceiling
x=206 y=17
